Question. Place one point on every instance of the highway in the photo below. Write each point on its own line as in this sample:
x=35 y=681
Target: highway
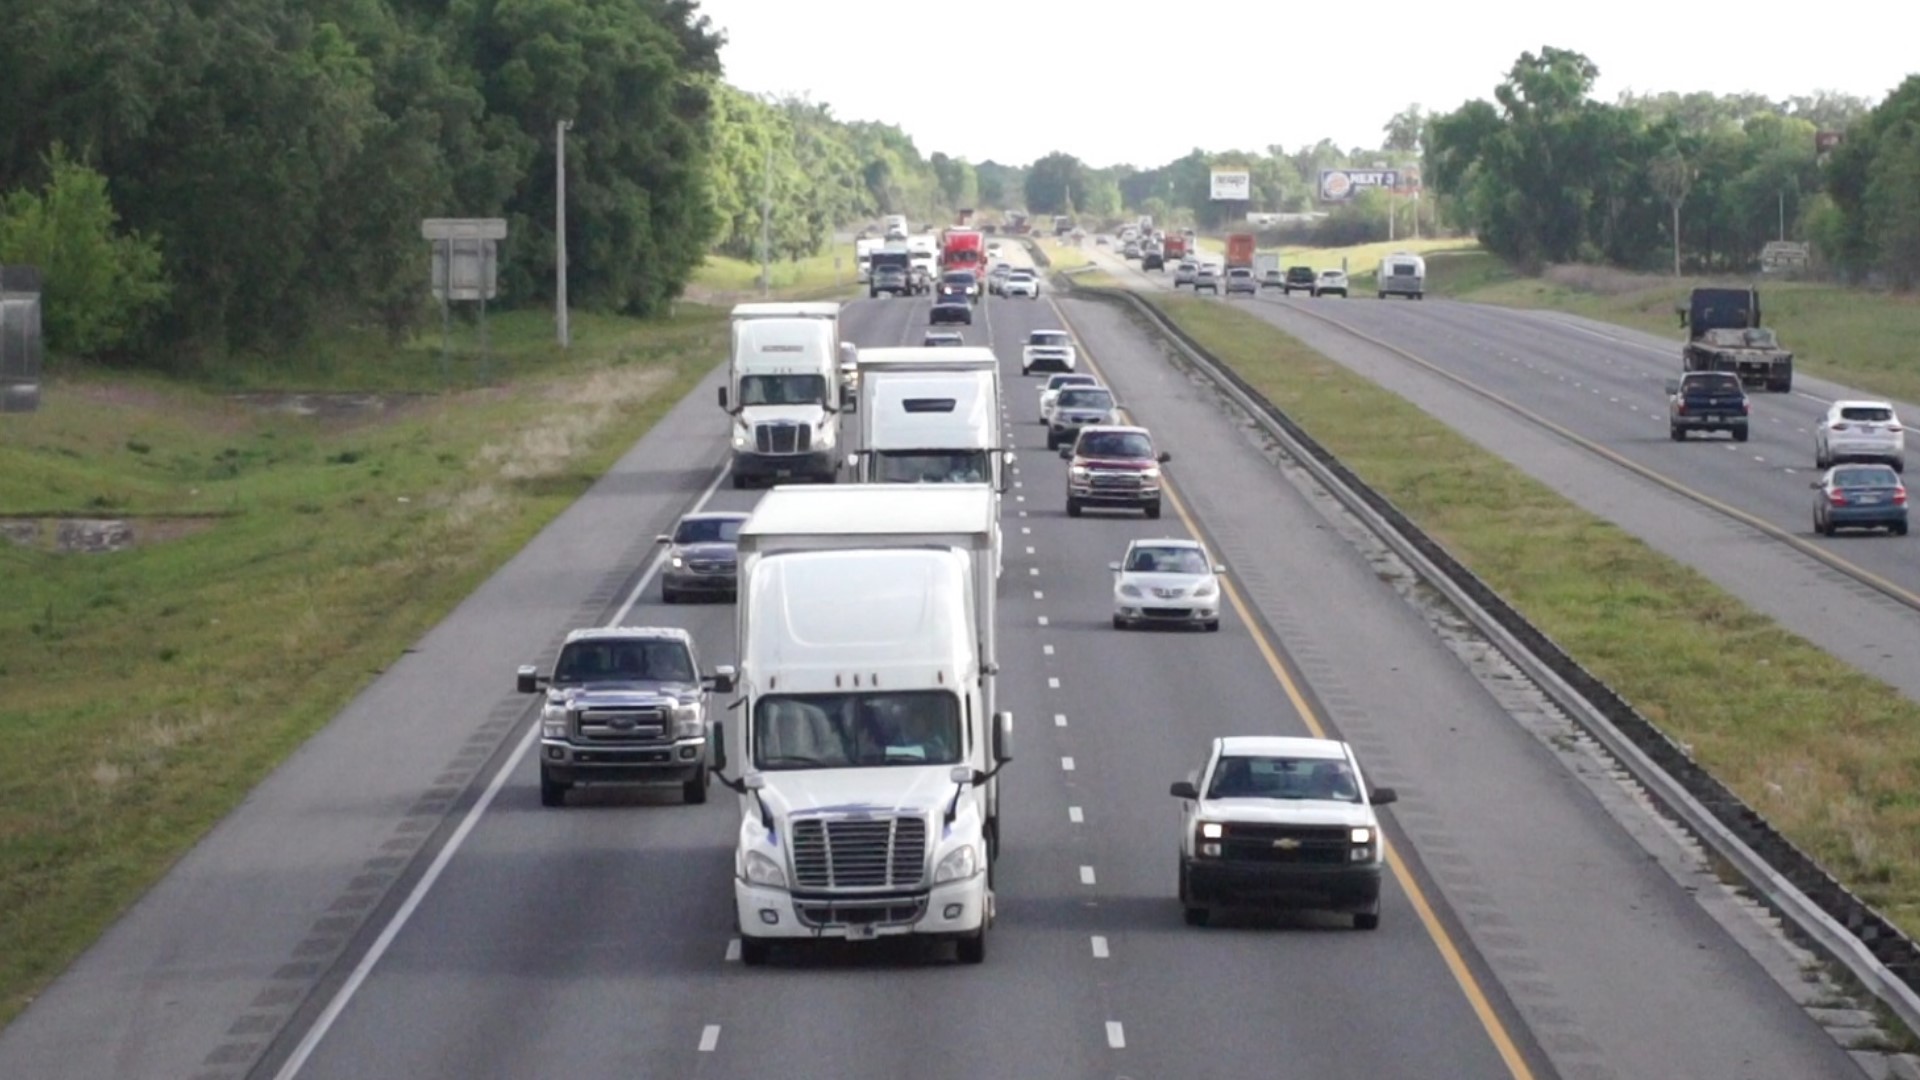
x=1581 y=405
x=395 y=902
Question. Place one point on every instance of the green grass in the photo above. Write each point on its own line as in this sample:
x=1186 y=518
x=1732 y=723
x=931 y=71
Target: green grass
x=1063 y=256
x=723 y=279
x=1857 y=336
x=143 y=693
x=1830 y=757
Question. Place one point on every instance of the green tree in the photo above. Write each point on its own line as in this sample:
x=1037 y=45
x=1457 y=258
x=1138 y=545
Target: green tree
x=1056 y=183
x=100 y=285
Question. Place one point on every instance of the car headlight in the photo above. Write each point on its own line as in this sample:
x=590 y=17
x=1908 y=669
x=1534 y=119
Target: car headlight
x=1150 y=474
x=1361 y=835
x=1212 y=830
x=1205 y=590
x=762 y=870
x=1130 y=591
x=553 y=729
x=960 y=864
x=678 y=562
x=1079 y=472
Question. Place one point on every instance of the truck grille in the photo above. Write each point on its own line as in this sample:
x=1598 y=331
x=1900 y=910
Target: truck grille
x=623 y=726
x=859 y=853
x=891 y=911
x=1312 y=845
x=782 y=437
x=1116 y=480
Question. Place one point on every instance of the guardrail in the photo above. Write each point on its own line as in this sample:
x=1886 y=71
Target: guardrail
x=1795 y=887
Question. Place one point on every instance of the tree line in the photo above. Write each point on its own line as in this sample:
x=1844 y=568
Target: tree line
x=233 y=174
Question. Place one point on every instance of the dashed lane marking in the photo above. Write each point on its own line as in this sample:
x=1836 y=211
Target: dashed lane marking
x=709 y=1038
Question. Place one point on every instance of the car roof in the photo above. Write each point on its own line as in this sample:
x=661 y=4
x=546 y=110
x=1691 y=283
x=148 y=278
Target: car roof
x=1296 y=746
x=1113 y=427
x=1862 y=403
x=623 y=633
x=1165 y=541
x=1239 y=270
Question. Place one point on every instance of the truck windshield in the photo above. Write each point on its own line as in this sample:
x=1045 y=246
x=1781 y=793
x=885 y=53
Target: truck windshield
x=1283 y=778
x=622 y=660
x=783 y=389
x=856 y=731
x=931 y=467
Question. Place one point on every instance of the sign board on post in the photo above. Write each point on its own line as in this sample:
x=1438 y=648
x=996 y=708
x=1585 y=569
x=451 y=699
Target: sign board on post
x=20 y=344
x=1785 y=255
x=1232 y=185
x=1339 y=185
x=465 y=252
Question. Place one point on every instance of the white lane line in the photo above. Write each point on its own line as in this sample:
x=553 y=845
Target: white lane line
x=1066 y=764
x=1017 y=483
x=1027 y=530
x=709 y=1038
x=1086 y=875
x=733 y=949
x=1053 y=682
x=1038 y=595
x=1099 y=947
x=1047 y=650
x=1029 y=546
x=1043 y=620
x=1076 y=815
x=1019 y=498
x=1059 y=719
x=1116 y=1035
x=1033 y=571
x=331 y=1014
x=1023 y=513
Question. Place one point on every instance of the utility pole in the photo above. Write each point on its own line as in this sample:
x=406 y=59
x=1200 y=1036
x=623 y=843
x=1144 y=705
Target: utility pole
x=560 y=231
x=766 y=222
x=1783 y=214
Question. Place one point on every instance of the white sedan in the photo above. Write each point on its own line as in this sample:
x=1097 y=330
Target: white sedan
x=1050 y=392
x=1021 y=283
x=1166 y=581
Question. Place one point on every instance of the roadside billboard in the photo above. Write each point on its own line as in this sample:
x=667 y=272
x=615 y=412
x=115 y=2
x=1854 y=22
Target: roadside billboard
x=1232 y=184
x=1339 y=185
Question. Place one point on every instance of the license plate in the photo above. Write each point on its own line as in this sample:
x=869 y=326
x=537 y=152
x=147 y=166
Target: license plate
x=1867 y=500
x=863 y=932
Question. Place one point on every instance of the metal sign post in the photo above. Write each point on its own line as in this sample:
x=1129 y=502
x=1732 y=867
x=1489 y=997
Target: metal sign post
x=465 y=267
x=20 y=343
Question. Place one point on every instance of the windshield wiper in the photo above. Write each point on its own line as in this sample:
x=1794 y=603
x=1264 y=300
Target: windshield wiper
x=792 y=759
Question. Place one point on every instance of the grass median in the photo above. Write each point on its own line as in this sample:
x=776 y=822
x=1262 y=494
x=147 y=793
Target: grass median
x=1830 y=756
x=281 y=560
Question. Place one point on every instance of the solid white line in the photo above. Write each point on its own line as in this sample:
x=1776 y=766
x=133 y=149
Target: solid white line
x=1116 y=1035
x=1047 y=649
x=1086 y=875
x=1059 y=719
x=1066 y=764
x=331 y=1014
x=1099 y=947
x=1076 y=815
x=709 y=1038
x=733 y=949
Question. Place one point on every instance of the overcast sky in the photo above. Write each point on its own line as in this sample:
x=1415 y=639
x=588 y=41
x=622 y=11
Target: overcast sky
x=1111 y=88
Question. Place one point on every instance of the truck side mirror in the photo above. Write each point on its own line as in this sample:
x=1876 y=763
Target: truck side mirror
x=663 y=538
x=719 y=746
x=723 y=397
x=1681 y=310
x=1066 y=453
x=1384 y=795
x=1817 y=484
x=1002 y=737
x=527 y=679
x=722 y=680
x=1164 y=457
x=1184 y=789
x=1114 y=566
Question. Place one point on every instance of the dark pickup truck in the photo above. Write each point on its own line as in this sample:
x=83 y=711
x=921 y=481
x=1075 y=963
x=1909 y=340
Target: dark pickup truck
x=1299 y=277
x=1707 y=401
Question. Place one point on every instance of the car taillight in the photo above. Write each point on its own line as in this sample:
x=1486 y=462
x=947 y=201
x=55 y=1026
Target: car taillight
x=1839 y=426
x=1893 y=428
x=1746 y=408
x=1837 y=497
x=1682 y=409
x=1899 y=496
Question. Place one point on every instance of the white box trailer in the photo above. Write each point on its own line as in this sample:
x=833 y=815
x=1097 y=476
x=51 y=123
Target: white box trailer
x=1402 y=274
x=866 y=742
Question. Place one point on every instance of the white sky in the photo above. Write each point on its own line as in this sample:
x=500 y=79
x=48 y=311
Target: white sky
x=1090 y=79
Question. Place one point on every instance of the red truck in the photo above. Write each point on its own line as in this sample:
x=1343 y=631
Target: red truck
x=1240 y=250
x=1174 y=248
x=964 y=249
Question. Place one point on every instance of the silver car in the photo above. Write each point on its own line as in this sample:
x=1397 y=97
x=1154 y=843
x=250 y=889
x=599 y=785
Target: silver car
x=702 y=556
x=1240 y=279
x=1206 y=277
x=1183 y=272
x=1075 y=408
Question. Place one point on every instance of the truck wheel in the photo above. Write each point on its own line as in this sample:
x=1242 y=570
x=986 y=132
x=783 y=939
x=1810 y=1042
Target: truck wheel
x=1073 y=506
x=669 y=595
x=972 y=950
x=1740 y=434
x=1785 y=386
x=694 y=791
x=1153 y=510
x=1367 y=920
x=1213 y=626
x=1676 y=434
x=552 y=792
x=754 y=952
x=1195 y=916
x=739 y=482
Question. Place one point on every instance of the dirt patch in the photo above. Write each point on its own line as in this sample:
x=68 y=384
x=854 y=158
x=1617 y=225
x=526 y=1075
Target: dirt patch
x=75 y=536
x=333 y=409
x=1602 y=280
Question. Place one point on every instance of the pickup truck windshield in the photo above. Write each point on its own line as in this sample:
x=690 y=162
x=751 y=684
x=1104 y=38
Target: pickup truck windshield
x=856 y=731
x=1714 y=384
x=783 y=390
x=1283 y=778
x=616 y=660
x=1114 y=444
x=932 y=467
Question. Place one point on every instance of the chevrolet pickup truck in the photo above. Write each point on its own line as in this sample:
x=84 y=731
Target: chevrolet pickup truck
x=1707 y=401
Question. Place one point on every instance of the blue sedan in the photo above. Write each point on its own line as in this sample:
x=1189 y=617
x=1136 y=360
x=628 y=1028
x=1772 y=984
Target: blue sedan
x=1860 y=497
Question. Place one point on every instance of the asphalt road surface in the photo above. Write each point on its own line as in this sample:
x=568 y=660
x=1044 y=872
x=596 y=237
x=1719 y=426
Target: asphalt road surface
x=395 y=902
x=1743 y=516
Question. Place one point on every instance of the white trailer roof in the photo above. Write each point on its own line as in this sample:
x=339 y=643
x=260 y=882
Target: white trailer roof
x=951 y=357
x=968 y=424
x=816 y=310
x=856 y=515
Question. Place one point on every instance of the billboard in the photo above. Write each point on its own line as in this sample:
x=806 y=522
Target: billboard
x=1233 y=184
x=1339 y=185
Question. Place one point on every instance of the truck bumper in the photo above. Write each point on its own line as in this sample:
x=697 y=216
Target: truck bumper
x=952 y=909
x=1709 y=423
x=567 y=763
x=750 y=465
x=1271 y=886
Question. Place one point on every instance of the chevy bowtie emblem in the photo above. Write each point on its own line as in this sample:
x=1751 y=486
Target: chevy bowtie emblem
x=1286 y=843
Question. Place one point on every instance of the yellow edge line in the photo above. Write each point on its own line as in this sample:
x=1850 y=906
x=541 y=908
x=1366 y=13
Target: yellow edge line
x=1496 y=1029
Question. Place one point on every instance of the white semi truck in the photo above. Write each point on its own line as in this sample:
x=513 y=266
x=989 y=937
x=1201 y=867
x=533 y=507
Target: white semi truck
x=783 y=392
x=865 y=741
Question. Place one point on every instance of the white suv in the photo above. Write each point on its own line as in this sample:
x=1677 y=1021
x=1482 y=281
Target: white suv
x=1274 y=822
x=1021 y=283
x=1860 y=431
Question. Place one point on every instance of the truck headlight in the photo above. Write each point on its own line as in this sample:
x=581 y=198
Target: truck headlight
x=553 y=729
x=762 y=870
x=1212 y=830
x=960 y=864
x=1362 y=836
x=1150 y=474
x=742 y=438
x=678 y=562
x=1079 y=472
x=687 y=723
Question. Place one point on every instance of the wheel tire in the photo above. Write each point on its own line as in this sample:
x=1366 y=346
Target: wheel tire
x=669 y=596
x=1366 y=920
x=552 y=792
x=739 y=482
x=694 y=791
x=1900 y=529
x=1821 y=460
x=1119 y=623
x=1676 y=434
x=1073 y=507
x=1153 y=511
x=1052 y=443
x=972 y=950
x=755 y=952
x=1740 y=434
x=992 y=831
x=1213 y=626
x=1822 y=527
x=1195 y=916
